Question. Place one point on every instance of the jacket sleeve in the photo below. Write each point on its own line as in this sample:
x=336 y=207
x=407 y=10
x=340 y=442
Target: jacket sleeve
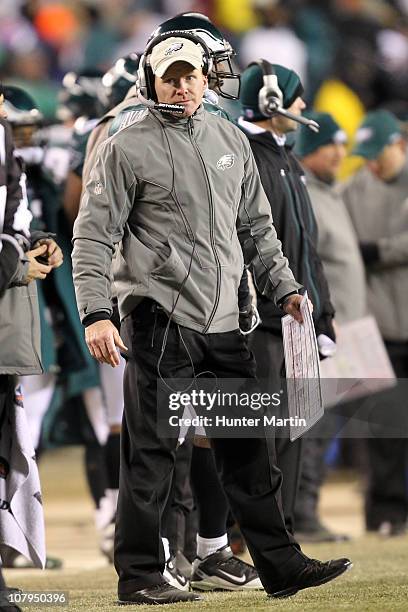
x=11 y=197
x=105 y=206
x=17 y=217
x=393 y=251
x=327 y=308
x=325 y=313
x=8 y=264
x=260 y=245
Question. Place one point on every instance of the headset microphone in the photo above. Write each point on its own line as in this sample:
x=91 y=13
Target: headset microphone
x=169 y=108
x=312 y=125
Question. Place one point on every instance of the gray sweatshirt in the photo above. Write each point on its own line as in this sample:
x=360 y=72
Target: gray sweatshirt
x=181 y=196
x=339 y=251
x=379 y=212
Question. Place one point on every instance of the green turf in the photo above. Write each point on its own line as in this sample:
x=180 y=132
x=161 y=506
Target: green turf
x=377 y=582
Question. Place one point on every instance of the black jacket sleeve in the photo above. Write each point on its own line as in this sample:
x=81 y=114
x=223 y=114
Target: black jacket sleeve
x=10 y=175
x=10 y=200
x=9 y=258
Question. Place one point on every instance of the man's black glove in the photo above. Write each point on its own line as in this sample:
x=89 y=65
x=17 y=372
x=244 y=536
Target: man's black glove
x=324 y=325
x=369 y=252
x=324 y=333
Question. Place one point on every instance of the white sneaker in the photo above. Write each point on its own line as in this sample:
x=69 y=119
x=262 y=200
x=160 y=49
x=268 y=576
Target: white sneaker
x=174 y=576
x=223 y=571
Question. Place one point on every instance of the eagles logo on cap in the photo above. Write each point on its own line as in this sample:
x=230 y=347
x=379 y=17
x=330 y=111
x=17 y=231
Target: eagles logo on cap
x=364 y=134
x=175 y=49
x=379 y=129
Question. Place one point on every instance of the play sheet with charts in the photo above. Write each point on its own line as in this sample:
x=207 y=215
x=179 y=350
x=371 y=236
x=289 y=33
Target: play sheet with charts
x=302 y=371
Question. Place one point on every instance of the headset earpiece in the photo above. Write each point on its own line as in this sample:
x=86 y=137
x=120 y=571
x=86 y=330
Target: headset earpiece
x=270 y=96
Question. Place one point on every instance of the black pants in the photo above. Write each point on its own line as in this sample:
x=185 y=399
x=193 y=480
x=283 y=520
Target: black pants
x=313 y=473
x=248 y=470
x=387 y=490
x=268 y=352
x=178 y=524
x=7 y=385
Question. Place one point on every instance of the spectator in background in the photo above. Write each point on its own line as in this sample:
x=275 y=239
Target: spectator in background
x=275 y=39
x=376 y=198
x=368 y=56
x=315 y=29
x=321 y=155
x=29 y=69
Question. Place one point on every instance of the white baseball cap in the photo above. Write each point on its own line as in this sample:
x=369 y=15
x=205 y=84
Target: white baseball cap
x=173 y=50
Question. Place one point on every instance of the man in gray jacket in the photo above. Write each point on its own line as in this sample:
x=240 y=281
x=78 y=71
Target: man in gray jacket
x=182 y=194
x=321 y=155
x=19 y=317
x=376 y=198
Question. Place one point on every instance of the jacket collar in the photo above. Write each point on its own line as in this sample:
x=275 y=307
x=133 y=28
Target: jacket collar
x=249 y=127
x=252 y=129
x=267 y=140
x=179 y=122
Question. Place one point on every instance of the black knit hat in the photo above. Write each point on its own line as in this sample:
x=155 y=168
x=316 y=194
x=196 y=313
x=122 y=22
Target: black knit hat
x=252 y=81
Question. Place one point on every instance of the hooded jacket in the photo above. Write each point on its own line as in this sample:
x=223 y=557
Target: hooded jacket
x=285 y=186
x=181 y=195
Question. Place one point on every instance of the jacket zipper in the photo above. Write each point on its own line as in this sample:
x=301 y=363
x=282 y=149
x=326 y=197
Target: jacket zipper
x=212 y=224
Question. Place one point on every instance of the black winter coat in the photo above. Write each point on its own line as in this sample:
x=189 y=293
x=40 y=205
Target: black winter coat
x=10 y=197
x=284 y=183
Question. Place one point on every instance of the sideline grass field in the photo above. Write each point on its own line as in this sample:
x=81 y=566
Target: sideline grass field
x=377 y=582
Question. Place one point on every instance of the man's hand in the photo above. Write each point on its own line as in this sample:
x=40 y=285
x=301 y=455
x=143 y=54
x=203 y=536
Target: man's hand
x=292 y=306
x=36 y=270
x=102 y=339
x=52 y=253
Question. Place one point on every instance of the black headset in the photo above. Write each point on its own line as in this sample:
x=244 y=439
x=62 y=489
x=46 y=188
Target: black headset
x=270 y=96
x=145 y=82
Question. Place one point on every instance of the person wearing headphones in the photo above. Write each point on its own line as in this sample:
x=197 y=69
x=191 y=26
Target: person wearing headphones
x=195 y=520
x=284 y=182
x=170 y=187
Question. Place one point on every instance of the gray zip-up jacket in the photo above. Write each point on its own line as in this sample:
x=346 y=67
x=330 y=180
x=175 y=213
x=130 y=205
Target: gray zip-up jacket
x=182 y=195
x=338 y=249
x=19 y=317
x=379 y=212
